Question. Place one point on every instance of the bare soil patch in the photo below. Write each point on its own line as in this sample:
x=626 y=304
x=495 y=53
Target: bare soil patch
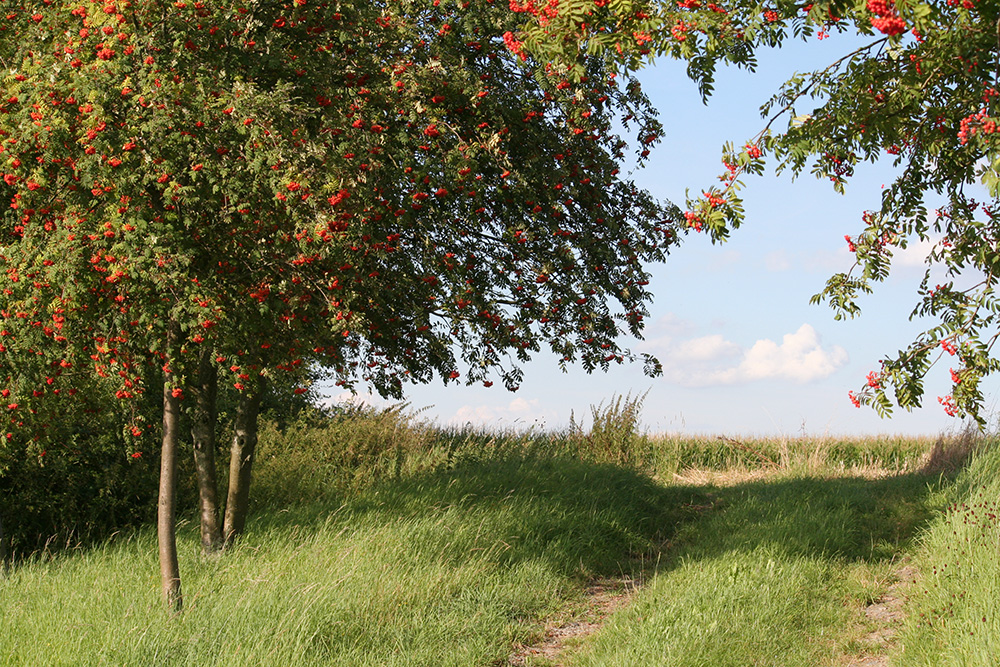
x=886 y=614
x=603 y=597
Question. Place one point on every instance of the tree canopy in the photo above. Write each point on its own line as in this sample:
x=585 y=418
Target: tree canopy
x=382 y=188
x=376 y=186
x=920 y=92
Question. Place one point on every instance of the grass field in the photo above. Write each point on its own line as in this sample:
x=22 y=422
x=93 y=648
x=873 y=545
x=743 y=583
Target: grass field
x=380 y=540
x=954 y=616
x=442 y=568
x=779 y=575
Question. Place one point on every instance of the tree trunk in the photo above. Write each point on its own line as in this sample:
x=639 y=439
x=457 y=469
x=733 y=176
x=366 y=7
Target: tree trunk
x=4 y=552
x=241 y=462
x=170 y=576
x=203 y=435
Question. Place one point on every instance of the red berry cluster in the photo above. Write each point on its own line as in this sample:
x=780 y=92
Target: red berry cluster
x=514 y=45
x=855 y=399
x=874 y=380
x=544 y=13
x=887 y=20
x=948 y=402
x=641 y=37
x=977 y=122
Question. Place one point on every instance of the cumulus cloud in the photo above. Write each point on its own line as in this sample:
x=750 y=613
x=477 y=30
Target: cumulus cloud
x=519 y=412
x=799 y=357
x=915 y=254
x=706 y=348
x=713 y=360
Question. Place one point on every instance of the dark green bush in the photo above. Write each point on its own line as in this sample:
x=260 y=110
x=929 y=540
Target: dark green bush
x=78 y=480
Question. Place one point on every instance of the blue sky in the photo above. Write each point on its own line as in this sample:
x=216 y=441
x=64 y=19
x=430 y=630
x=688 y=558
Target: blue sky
x=744 y=352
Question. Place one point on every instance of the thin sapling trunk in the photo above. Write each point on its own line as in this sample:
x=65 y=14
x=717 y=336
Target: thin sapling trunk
x=241 y=457
x=166 y=531
x=203 y=436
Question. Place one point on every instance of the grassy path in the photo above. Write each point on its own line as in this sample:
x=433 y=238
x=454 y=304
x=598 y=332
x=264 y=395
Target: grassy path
x=779 y=575
x=457 y=566
x=448 y=568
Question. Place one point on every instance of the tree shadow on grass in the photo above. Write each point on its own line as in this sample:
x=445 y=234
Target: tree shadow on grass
x=577 y=517
x=436 y=562
x=592 y=519
x=496 y=540
x=769 y=577
x=846 y=518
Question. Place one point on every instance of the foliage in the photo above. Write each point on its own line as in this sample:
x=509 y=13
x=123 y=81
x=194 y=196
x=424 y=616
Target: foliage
x=82 y=479
x=920 y=92
x=351 y=184
x=79 y=496
x=385 y=190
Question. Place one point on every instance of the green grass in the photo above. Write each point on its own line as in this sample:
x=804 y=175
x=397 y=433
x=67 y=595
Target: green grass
x=377 y=539
x=670 y=454
x=445 y=568
x=776 y=576
x=954 y=613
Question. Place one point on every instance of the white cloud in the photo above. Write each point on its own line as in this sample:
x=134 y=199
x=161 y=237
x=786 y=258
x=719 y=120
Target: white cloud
x=800 y=357
x=359 y=398
x=915 y=254
x=714 y=360
x=706 y=348
x=479 y=414
x=518 y=413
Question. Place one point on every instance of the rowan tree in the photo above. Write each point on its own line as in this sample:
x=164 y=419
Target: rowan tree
x=225 y=192
x=920 y=92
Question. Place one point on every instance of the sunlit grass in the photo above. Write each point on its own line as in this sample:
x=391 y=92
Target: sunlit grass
x=449 y=568
x=777 y=575
x=954 y=615
x=379 y=539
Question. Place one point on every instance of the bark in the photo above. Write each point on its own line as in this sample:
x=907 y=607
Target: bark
x=170 y=577
x=203 y=436
x=241 y=456
x=4 y=553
